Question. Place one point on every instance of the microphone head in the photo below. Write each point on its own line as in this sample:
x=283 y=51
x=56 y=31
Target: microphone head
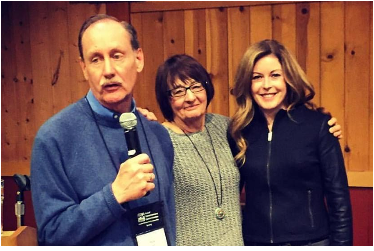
x=128 y=120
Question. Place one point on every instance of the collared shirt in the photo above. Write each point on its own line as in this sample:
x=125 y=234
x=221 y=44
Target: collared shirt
x=103 y=111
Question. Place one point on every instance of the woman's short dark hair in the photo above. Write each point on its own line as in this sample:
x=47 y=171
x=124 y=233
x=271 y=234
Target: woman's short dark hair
x=181 y=67
x=93 y=19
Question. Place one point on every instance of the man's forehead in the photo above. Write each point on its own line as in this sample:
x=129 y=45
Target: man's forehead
x=104 y=24
x=106 y=32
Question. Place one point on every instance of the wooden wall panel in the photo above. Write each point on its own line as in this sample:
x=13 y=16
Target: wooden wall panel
x=195 y=34
x=261 y=24
x=150 y=6
x=357 y=84
x=216 y=54
x=313 y=45
x=238 y=42
x=331 y=40
x=284 y=25
x=24 y=88
x=332 y=61
x=136 y=21
x=57 y=21
x=40 y=62
x=120 y=10
x=9 y=106
x=152 y=27
x=173 y=23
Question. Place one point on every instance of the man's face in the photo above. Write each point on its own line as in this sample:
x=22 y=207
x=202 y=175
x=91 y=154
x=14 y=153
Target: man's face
x=110 y=64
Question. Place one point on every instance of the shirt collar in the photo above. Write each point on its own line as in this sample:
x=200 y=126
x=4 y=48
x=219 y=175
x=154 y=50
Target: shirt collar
x=103 y=111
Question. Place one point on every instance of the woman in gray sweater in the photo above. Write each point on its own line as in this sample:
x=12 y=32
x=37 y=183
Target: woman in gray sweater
x=206 y=177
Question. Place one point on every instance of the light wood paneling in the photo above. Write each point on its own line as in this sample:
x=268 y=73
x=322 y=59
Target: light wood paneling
x=41 y=62
x=284 y=25
x=23 y=86
x=57 y=21
x=261 y=25
x=191 y=5
x=195 y=34
x=9 y=106
x=312 y=49
x=238 y=42
x=331 y=40
x=357 y=84
x=332 y=61
x=152 y=42
x=173 y=23
x=216 y=54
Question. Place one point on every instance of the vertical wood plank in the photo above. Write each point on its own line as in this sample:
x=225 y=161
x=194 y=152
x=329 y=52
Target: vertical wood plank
x=9 y=106
x=308 y=43
x=332 y=61
x=195 y=34
x=136 y=21
x=120 y=10
x=357 y=84
x=260 y=23
x=40 y=61
x=59 y=55
x=238 y=41
x=173 y=33
x=302 y=19
x=24 y=87
x=152 y=27
x=284 y=25
x=216 y=54
x=313 y=52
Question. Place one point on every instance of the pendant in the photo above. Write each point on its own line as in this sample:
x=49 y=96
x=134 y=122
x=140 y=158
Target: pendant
x=220 y=214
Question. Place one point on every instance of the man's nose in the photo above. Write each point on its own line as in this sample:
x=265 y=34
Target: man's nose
x=108 y=69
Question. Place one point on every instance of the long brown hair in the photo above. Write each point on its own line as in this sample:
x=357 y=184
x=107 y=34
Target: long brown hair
x=299 y=89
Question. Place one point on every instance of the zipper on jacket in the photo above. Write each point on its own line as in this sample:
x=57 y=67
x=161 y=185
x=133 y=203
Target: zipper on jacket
x=310 y=208
x=270 y=136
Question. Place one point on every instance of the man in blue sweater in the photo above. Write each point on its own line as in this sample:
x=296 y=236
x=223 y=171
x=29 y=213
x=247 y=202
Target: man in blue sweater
x=85 y=188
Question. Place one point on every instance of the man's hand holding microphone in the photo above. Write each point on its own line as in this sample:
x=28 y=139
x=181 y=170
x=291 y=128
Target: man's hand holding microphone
x=135 y=177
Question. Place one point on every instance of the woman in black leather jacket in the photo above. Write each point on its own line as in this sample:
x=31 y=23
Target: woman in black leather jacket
x=291 y=166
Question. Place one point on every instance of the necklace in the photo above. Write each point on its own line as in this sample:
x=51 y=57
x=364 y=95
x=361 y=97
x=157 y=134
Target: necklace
x=220 y=214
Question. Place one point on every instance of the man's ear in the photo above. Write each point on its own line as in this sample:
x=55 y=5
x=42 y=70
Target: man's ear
x=83 y=67
x=139 y=60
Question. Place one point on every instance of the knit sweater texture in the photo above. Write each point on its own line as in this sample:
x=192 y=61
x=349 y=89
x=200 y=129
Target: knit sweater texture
x=72 y=172
x=196 y=194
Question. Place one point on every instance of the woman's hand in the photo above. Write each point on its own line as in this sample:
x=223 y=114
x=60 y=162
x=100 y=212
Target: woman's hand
x=335 y=128
x=146 y=113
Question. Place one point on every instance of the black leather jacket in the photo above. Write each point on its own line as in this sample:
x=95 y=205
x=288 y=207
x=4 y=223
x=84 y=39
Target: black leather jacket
x=289 y=176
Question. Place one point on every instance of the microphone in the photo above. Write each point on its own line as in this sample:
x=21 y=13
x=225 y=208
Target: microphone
x=23 y=183
x=128 y=122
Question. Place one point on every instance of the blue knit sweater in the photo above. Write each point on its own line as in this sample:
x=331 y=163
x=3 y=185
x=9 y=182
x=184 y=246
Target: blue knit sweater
x=72 y=173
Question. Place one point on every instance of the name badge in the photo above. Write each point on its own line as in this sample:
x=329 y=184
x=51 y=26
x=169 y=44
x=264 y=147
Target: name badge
x=148 y=225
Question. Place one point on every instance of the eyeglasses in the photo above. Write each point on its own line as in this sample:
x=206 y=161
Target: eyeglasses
x=181 y=91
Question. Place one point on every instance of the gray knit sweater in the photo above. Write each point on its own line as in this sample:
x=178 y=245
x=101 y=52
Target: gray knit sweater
x=195 y=193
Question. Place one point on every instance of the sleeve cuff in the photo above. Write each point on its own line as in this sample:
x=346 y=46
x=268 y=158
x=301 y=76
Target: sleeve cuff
x=117 y=209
